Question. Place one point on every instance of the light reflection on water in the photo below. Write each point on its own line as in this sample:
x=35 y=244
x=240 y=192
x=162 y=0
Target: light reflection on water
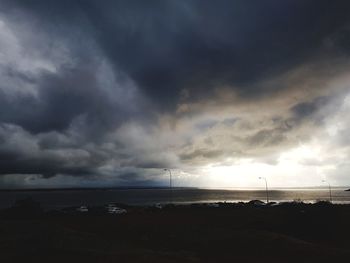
x=63 y=198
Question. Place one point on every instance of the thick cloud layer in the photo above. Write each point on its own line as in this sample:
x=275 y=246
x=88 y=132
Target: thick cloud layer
x=108 y=93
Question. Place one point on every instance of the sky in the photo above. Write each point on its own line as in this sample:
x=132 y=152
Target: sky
x=109 y=93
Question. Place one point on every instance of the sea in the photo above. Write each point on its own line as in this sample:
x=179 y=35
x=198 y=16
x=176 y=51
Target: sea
x=61 y=198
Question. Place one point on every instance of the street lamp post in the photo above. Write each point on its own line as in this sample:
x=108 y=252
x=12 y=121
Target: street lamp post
x=330 y=190
x=267 y=191
x=170 y=184
x=170 y=178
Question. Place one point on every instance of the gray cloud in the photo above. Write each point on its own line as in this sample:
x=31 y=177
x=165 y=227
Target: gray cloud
x=114 y=91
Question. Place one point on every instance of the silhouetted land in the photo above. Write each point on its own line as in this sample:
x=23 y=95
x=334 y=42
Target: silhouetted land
x=86 y=188
x=293 y=232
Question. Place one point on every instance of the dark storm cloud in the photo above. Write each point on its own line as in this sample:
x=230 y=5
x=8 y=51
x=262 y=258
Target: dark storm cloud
x=135 y=179
x=166 y=46
x=305 y=109
x=317 y=110
x=61 y=98
x=198 y=45
x=23 y=153
x=85 y=89
x=202 y=153
x=43 y=166
x=267 y=137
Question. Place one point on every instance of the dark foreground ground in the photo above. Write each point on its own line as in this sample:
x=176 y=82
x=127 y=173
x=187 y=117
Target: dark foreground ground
x=229 y=233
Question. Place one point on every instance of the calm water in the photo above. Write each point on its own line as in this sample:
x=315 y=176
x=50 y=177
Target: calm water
x=64 y=198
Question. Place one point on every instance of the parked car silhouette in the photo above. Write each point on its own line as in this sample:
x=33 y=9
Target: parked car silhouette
x=113 y=209
x=83 y=209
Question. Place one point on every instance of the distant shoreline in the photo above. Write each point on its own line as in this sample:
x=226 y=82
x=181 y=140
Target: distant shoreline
x=346 y=188
x=90 y=189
